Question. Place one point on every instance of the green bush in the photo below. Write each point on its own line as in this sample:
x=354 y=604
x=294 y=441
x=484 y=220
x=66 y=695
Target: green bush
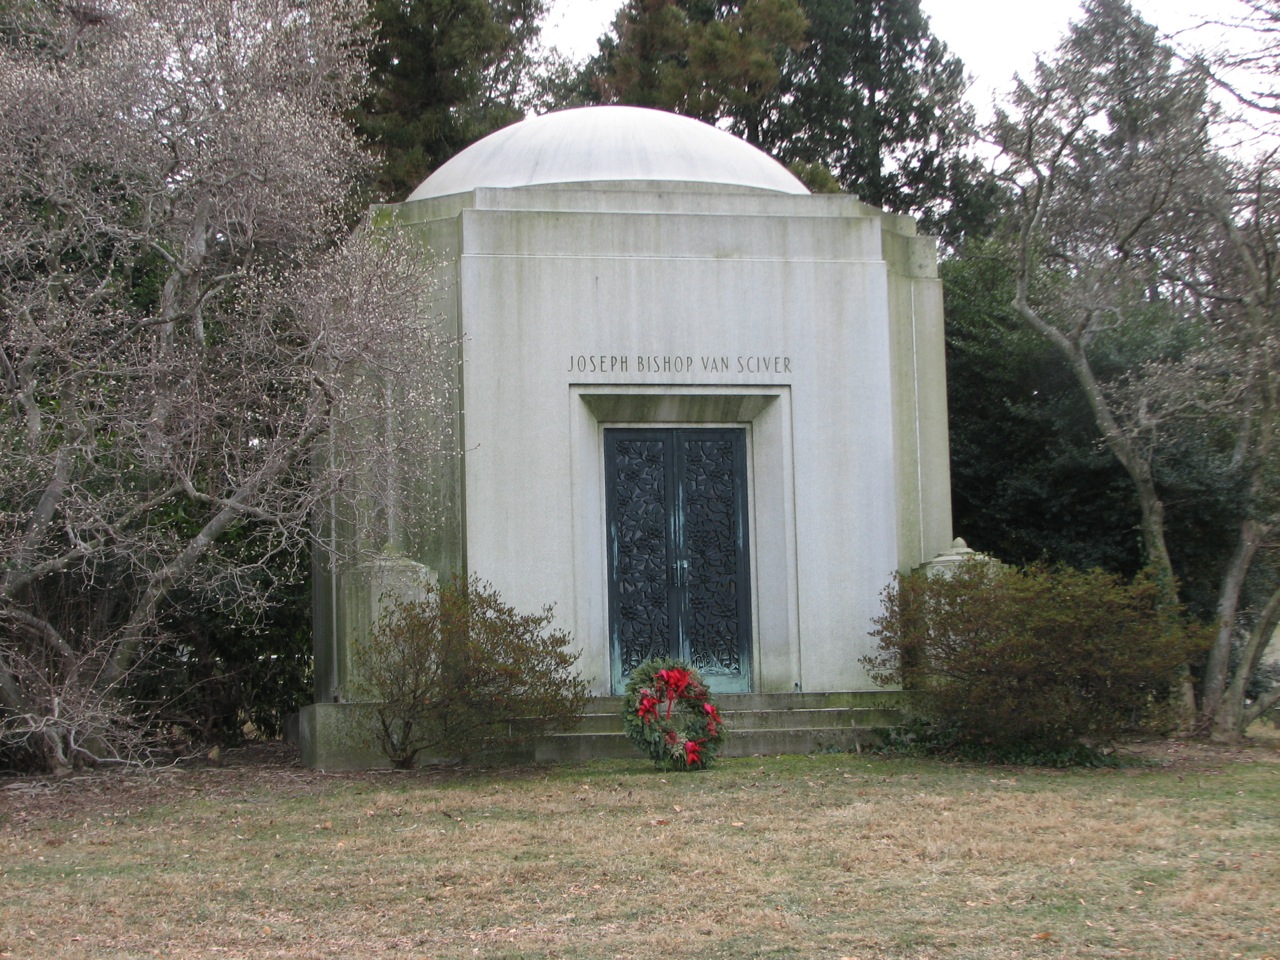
x=1030 y=662
x=460 y=672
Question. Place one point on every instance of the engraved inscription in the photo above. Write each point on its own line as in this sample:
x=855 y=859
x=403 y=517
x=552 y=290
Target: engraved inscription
x=664 y=363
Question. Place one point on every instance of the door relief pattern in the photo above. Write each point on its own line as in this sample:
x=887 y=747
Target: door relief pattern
x=678 y=562
x=643 y=622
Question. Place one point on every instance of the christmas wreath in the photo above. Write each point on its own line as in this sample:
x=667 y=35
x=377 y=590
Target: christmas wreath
x=668 y=714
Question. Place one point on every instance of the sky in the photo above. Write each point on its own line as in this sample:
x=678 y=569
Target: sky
x=994 y=38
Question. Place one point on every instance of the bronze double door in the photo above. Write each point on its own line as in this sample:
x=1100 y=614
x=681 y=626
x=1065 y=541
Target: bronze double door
x=679 y=579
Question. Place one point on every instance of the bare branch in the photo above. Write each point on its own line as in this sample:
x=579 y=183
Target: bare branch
x=184 y=316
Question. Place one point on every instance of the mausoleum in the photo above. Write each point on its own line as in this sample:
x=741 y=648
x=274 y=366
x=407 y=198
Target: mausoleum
x=701 y=411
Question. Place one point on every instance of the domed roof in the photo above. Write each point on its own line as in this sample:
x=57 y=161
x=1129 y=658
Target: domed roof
x=598 y=144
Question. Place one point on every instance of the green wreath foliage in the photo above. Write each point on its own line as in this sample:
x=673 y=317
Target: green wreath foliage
x=668 y=713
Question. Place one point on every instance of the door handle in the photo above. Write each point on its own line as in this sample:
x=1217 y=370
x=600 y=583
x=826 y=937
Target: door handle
x=680 y=573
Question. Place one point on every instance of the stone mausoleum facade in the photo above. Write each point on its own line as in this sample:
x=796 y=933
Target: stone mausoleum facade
x=701 y=411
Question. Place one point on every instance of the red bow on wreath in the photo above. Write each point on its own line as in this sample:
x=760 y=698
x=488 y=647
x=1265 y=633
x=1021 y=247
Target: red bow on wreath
x=713 y=718
x=692 y=752
x=648 y=707
x=673 y=681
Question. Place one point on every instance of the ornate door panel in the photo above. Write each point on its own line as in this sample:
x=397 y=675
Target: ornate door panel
x=678 y=573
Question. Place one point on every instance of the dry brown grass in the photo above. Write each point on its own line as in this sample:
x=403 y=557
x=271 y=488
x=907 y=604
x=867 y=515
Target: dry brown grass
x=812 y=857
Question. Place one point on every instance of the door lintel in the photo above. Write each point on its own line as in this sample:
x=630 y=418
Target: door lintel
x=710 y=408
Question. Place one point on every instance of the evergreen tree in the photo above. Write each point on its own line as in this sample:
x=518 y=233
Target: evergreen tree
x=710 y=60
x=443 y=74
x=857 y=88
x=1031 y=477
x=877 y=99
x=1029 y=480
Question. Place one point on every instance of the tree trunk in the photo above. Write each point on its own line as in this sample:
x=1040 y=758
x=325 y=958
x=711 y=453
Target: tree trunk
x=1232 y=716
x=1218 y=666
x=44 y=739
x=1154 y=545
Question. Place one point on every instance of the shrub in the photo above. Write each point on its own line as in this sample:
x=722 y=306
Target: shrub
x=1033 y=661
x=460 y=672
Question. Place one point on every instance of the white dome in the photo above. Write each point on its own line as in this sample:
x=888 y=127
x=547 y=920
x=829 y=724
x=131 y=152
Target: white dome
x=604 y=144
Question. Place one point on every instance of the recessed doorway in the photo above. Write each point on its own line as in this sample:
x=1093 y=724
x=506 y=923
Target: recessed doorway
x=679 y=579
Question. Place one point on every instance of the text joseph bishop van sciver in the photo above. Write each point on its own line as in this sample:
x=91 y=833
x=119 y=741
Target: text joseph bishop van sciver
x=675 y=363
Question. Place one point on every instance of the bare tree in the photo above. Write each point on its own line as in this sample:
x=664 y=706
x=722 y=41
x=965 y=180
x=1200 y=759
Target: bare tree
x=1250 y=68
x=178 y=328
x=1147 y=258
x=1226 y=386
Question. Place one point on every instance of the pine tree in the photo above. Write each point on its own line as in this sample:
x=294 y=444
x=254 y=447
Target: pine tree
x=443 y=74
x=860 y=88
x=878 y=100
x=713 y=61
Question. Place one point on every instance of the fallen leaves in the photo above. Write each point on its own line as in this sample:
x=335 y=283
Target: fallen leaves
x=998 y=873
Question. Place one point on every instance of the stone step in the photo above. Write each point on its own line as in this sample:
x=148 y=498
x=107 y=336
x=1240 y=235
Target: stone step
x=759 y=724
x=754 y=743
x=740 y=720
x=572 y=747
x=729 y=702
x=826 y=718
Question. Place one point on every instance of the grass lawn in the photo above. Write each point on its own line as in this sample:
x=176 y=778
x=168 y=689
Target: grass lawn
x=831 y=856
